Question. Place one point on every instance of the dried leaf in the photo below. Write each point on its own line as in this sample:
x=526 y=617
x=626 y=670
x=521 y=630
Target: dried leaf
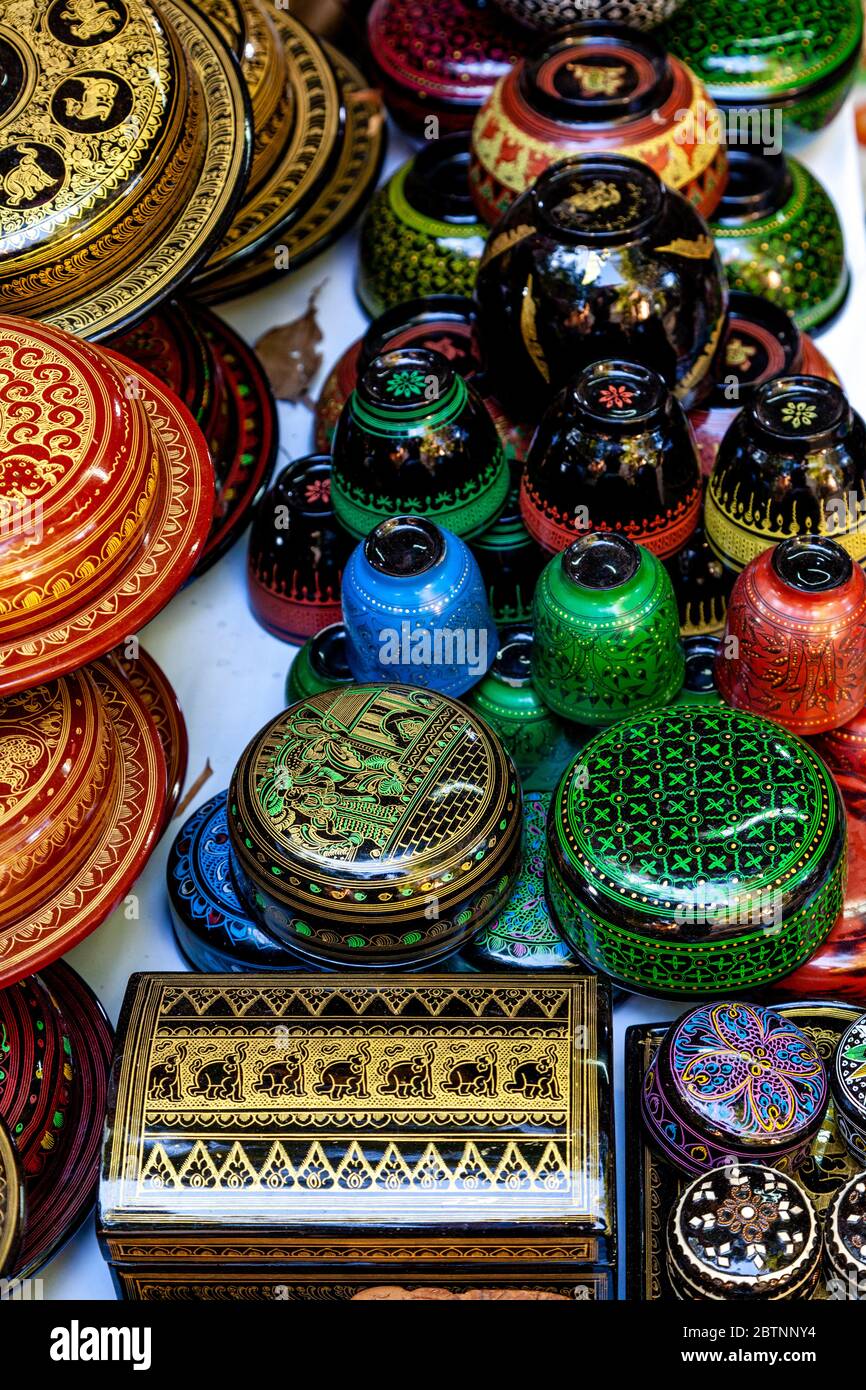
x=290 y=353
x=194 y=790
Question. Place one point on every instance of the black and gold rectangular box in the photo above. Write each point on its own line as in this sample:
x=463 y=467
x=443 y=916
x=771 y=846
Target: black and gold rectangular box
x=309 y=1137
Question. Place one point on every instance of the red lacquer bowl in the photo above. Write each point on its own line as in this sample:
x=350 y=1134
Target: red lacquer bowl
x=120 y=832
x=36 y=1072
x=795 y=638
x=761 y=342
x=597 y=89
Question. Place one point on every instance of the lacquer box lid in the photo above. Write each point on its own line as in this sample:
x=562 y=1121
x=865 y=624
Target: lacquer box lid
x=433 y=1107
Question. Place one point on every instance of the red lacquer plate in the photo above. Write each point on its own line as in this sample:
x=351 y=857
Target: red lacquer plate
x=177 y=527
x=160 y=700
x=245 y=456
x=61 y=1197
x=126 y=839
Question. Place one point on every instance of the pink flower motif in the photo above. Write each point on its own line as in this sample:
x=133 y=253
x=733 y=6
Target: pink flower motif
x=616 y=397
x=319 y=490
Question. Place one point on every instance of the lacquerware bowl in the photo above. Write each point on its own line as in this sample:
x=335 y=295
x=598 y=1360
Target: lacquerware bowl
x=734 y=1082
x=37 y=1075
x=375 y=826
x=255 y=39
x=599 y=259
x=614 y=452
x=761 y=342
x=696 y=851
x=119 y=169
x=415 y=609
x=845 y=1239
x=562 y=14
x=792 y=463
x=699 y=684
x=788 y=65
x=596 y=89
x=508 y=702
x=421 y=234
x=415 y=437
x=847 y=1078
x=439 y=59
x=297 y=550
x=795 y=636
x=702 y=585
x=12 y=1202
x=779 y=235
x=606 y=633
x=509 y=559
x=321 y=664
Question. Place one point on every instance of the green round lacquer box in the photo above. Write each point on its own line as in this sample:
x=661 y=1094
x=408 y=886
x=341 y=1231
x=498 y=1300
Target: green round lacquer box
x=607 y=637
x=779 y=235
x=421 y=235
x=696 y=852
x=375 y=825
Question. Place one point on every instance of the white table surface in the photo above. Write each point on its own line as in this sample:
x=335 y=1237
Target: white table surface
x=229 y=673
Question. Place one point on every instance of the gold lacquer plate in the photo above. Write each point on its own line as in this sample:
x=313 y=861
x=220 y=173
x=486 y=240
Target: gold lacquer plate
x=344 y=196
x=263 y=66
x=127 y=837
x=228 y=17
x=207 y=206
x=159 y=697
x=262 y=224
x=177 y=529
x=11 y=1201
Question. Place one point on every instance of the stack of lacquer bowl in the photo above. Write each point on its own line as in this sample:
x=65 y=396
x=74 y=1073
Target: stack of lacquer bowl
x=318 y=144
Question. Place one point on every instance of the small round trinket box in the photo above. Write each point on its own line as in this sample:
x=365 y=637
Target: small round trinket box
x=439 y=59
x=321 y=664
x=744 y=1232
x=599 y=259
x=844 y=751
x=561 y=14
x=734 y=1082
x=415 y=609
x=510 y=560
x=696 y=850
x=607 y=637
x=421 y=234
x=702 y=585
x=779 y=235
x=845 y=1241
x=296 y=554
x=848 y=1081
x=213 y=929
x=761 y=342
x=791 y=60
x=375 y=826
x=36 y=1072
x=614 y=452
x=597 y=89
x=795 y=636
x=522 y=936
x=12 y=1202
x=415 y=437
x=699 y=686
x=763 y=487
x=508 y=701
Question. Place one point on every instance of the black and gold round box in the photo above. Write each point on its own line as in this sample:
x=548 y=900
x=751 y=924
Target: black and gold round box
x=375 y=825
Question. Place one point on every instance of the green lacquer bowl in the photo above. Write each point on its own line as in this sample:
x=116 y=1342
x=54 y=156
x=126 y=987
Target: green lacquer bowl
x=421 y=235
x=779 y=235
x=696 y=852
x=321 y=664
x=792 y=61
x=607 y=639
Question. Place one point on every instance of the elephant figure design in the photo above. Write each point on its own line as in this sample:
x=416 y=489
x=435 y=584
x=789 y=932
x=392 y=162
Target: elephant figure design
x=536 y=1080
x=411 y=1078
x=343 y=1078
x=283 y=1078
x=221 y=1079
x=163 y=1081
x=471 y=1077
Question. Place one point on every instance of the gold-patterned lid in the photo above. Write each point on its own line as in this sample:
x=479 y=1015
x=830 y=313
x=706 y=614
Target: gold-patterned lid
x=417 y=1103
x=11 y=1202
x=78 y=475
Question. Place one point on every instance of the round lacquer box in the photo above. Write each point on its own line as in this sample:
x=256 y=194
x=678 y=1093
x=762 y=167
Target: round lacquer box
x=375 y=826
x=696 y=851
x=848 y=1080
x=845 y=1241
x=734 y=1082
x=747 y=1232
